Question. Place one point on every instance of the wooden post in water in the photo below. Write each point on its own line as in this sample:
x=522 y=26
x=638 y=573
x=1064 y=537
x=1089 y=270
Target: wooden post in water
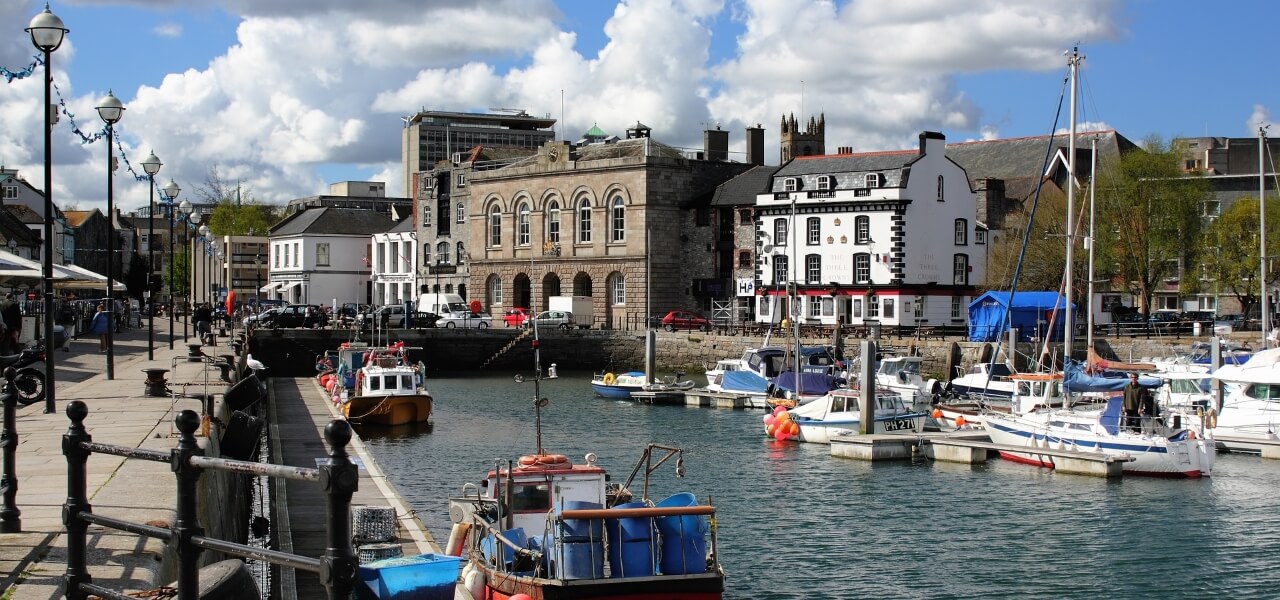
x=650 y=351
x=867 y=389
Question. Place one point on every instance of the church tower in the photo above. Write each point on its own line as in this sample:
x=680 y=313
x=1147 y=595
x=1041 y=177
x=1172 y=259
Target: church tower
x=812 y=142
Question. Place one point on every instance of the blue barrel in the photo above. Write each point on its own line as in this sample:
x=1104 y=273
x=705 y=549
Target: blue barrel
x=581 y=530
x=631 y=550
x=684 y=538
x=581 y=560
x=489 y=545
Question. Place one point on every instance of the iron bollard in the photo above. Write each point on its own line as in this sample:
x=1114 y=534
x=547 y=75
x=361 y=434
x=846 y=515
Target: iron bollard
x=77 y=500
x=10 y=516
x=339 y=479
x=187 y=523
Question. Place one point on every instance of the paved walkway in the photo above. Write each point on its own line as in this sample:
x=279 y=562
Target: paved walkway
x=32 y=562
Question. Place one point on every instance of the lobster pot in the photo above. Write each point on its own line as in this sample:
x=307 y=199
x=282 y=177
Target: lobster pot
x=373 y=523
x=368 y=553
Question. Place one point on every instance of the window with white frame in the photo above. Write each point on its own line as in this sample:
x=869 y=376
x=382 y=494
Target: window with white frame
x=980 y=237
x=962 y=232
x=618 y=290
x=297 y=254
x=275 y=257
x=495 y=290
x=460 y=213
x=406 y=256
x=824 y=182
x=442 y=253
x=957 y=308
x=584 y=221
x=960 y=270
x=1169 y=302
x=857 y=308
x=617 y=220
x=461 y=253
x=1208 y=303
x=889 y=308
x=553 y=221
x=873 y=180
x=380 y=249
x=522 y=224
x=813 y=268
x=919 y=307
x=828 y=306
x=815 y=307
x=1212 y=208
x=426 y=215
x=780 y=232
x=462 y=179
x=862 y=229
x=813 y=227
x=10 y=192
x=790 y=184
x=940 y=189
x=873 y=307
x=780 y=274
x=426 y=253
x=861 y=267
x=495 y=226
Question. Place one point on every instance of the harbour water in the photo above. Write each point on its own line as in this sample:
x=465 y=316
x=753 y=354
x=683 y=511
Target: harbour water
x=796 y=523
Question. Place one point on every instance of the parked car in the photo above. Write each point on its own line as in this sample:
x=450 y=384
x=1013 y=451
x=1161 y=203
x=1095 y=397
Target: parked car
x=469 y=319
x=392 y=316
x=515 y=317
x=265 y=318
x=301 y=315
x=552 y=319
x=683 y=319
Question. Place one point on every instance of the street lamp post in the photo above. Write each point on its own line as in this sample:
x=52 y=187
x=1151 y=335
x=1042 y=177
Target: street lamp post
x=204 y=232
x=257 y=273
x=171 y=190
x=47 y=33
x=151 y=165
x=184 y=211
x=111 y=110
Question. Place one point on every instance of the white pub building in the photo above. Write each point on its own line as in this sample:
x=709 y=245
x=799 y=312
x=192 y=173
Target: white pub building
x=888 y=238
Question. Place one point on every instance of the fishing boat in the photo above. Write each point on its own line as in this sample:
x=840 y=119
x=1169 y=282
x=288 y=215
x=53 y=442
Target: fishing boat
x=839 y=413
x=551 y=528
x=380 y=386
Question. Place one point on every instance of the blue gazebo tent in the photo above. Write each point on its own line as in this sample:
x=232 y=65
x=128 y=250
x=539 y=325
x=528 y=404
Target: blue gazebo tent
x=1030 y=313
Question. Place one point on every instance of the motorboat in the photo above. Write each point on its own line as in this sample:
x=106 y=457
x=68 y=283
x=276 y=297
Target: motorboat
x=622 y=386
x=379 y=386
x=903 y=375
x=545 y=526
x=839 y=413
x=984 y=381
x=1249 y=414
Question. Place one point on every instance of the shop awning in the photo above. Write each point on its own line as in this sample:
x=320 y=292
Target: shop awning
x=289 y=286
x=270 y=287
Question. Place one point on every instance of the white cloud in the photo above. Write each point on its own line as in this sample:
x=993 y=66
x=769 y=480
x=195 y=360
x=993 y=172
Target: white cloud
x=168 y=30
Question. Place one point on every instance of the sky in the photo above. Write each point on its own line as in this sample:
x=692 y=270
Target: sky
x=284 y=97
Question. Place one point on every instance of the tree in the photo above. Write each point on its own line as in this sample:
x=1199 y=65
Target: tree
x=237 y=211
x=1147 y=210
x=1230 y=248
x=181 y=273
x=1046 y=255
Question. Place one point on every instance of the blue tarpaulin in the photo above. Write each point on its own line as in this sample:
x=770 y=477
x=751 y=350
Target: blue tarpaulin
x=1030 y=313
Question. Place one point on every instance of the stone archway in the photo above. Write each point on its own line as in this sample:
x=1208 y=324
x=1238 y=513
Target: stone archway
x=520 y=291
x=582 y=284
x=550 y=287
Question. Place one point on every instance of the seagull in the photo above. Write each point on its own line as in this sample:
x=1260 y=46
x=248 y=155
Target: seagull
x=254 y=363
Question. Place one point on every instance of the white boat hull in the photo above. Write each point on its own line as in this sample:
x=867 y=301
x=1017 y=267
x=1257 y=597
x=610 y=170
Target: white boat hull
x=1186 y=455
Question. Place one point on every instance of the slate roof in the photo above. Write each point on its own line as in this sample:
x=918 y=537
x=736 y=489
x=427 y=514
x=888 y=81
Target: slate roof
x=75 y=218
x=24 y=213
x=848 y=163
x=1017 y=158
x=743 y=189
x=334 y=221
x=405 y=225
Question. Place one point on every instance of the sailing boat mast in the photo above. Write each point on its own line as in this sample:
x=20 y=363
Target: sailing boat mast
x=1068 y=330
x=1093 y=176
x=1263 y=298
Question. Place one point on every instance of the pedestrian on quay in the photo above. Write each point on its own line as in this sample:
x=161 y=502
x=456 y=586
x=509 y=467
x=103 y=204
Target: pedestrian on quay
x=11 y=313
x=204 y=319
x=98 y=326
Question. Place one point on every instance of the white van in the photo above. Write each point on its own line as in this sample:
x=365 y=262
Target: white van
x=445 y=305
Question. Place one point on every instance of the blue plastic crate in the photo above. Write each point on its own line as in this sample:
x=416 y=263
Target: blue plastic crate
x=421 y=577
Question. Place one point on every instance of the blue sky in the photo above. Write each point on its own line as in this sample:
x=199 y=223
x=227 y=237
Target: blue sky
x=290 y=95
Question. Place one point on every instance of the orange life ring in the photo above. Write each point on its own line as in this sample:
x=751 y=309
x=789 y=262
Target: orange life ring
x=609 y=379
x=1211 y=419
x=530 y=460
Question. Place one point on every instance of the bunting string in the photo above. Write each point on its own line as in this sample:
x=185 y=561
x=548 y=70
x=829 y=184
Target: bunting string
x=9 y=76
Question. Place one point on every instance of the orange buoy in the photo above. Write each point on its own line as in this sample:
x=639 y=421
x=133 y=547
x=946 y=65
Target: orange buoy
x=937 y=413
x=530 y=460
x=960 y=422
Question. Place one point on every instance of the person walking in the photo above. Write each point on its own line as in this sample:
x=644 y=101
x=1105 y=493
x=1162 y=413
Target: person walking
x=99 y=325
x=204 y=319
x=11 y=313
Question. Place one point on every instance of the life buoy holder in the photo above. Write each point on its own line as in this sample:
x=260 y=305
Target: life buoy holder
x=530 y=460
x=609 y=379
x=1211 y=419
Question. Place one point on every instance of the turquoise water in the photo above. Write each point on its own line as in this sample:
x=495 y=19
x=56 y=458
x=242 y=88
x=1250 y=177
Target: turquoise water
x=796 y=523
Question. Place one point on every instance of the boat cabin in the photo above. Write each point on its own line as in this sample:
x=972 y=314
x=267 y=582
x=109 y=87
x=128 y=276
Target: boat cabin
x=542 y=484
x=770 y=361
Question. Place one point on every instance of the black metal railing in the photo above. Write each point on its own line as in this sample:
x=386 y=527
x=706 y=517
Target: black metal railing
x=10 y=515
x=337 y=476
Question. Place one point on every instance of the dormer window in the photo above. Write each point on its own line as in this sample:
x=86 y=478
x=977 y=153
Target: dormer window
x=790 y=184
x=824 y=182
x=874 y=180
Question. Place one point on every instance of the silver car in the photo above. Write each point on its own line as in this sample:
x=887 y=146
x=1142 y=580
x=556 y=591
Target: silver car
x=468 y=319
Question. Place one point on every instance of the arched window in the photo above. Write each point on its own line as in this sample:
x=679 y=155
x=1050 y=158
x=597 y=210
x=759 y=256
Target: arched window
x=874 y=180
x=780 y=273
x=961 y=269
x=584 y=221
x=442 y=253
x=522 y=224
x=861 y=268
x=779 y=232
x=940 y=188
x=461 y=253
x=495 y=291
x=426 y=253
x=617 y=220
x=862 y=230
x=461 y=213
x=617 y=289
x=813 y=230
x=813 y=268
x=553 y=222
x=962 y=232
x=495 y=226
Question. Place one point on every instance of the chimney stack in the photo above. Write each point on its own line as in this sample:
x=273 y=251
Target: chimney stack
x=755 y=145
x=715 y=144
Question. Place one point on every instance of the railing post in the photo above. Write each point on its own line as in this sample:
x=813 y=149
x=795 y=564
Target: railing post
x=10 y=516
x=77 y=499
x=187 y=523
x=339 y=479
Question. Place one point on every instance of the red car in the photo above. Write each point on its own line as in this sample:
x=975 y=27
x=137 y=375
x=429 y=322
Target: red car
x=683 y=319
x=515 y=317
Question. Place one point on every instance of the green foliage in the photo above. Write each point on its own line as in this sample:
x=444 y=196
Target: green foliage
x=1230 y=250
x=242 y=219
x=181 y=273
